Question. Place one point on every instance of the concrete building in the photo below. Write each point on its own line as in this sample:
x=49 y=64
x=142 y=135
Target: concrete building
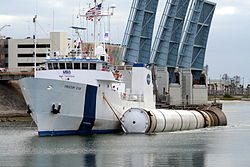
x=21 y=53
x=18 y=54
x=226 y=85
x=60 y=44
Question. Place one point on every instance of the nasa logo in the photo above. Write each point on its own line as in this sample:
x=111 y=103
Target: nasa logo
x=66 y=72
x=148 y=79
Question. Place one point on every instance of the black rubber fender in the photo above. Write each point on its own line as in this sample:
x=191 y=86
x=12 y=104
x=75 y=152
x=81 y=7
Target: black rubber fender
x=220 y=114
x=207 y=118
x=215 y=117
x=211 y=118
x=153 y=121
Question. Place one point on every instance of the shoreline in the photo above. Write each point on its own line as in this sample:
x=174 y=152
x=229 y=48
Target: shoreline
x=14 y=116
x=229 y=101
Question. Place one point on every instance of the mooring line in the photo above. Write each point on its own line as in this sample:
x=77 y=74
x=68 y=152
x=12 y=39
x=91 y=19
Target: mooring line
x=113 y=110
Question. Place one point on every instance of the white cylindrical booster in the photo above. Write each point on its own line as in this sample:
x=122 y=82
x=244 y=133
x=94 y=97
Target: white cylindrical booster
x=188 y=119
x=173 y=120
x=200 y=119
x=160 y=120
x=135 y=120
x=139 y=120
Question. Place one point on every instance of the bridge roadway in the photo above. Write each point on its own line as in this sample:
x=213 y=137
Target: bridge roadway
x=7 y=76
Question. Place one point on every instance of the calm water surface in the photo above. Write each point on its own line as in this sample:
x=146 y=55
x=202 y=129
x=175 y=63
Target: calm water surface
x=220 y=146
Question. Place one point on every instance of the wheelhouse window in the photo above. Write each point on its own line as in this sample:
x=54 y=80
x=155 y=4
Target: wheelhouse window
x=102 y=58
x=85 y=66
x=69 y=65
x=55 y=66
x=92 y=66
x=49 y=66
x=77 y=66
x=62 y=65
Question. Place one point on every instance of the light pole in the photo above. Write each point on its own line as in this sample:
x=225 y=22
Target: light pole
x=7 y=25
x=248 y=90
x=35 y=43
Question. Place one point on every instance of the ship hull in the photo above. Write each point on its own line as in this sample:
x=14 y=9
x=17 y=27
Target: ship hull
x=61 y=107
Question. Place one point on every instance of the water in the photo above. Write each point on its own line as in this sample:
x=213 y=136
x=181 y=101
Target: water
x=219 y=146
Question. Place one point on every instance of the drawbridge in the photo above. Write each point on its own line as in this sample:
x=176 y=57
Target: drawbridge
x=181 y=38
x=177 y=50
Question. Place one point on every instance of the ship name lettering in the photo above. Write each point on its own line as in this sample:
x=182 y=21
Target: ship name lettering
x=72 y=87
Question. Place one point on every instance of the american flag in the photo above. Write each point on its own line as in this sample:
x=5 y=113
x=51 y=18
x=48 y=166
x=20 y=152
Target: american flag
x=92 y=12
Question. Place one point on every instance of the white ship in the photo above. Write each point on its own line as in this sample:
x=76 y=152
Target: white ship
x=82 y=94
x=85 y=95
x=75 y=96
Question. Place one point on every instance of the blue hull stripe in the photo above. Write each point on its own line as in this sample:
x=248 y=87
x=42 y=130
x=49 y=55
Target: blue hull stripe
x=89 y=112
x=77 y=132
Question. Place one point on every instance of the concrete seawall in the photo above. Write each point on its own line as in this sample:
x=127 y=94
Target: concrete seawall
x=12 y=104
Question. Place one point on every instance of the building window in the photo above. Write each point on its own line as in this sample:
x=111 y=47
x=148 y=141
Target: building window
x=32 y=46
x=85 y=66
x=43 y=45
x=25 y=46
x=77 y=66
x=41 y=55
x=62 y=65
x=24 y=55
x=31 y=55
x=69 y=65
x=25 y=64
x=92 y=66
x=39 y=64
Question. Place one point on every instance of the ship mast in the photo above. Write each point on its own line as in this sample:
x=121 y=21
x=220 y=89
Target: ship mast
x=95 y=15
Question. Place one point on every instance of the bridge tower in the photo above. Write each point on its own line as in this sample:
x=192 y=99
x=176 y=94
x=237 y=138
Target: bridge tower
x=193 y=45
x=139 y=30
x=167 y=40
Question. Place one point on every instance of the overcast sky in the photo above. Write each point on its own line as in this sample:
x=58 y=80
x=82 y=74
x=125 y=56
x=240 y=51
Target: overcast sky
x=227 y=49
